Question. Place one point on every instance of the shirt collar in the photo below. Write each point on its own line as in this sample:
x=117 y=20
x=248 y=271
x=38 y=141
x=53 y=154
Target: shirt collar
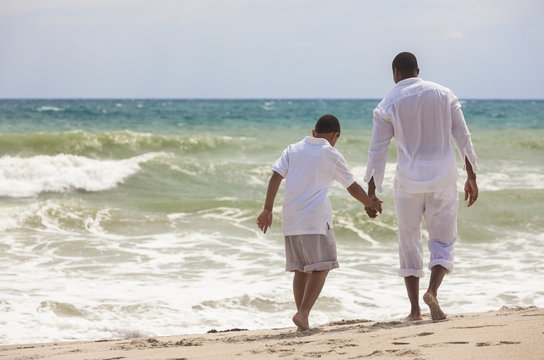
x=408 y=81
x=315 y=141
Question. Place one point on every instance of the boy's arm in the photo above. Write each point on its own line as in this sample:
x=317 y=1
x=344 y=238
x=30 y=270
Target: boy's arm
x=264 y=220
x=359 y=193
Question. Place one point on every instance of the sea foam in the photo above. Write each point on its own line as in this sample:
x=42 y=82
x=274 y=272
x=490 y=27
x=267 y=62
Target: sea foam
x=26 y=177
x=49 y=108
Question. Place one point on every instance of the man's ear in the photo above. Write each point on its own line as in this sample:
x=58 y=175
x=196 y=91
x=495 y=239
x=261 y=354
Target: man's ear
x=395 y=74
x=313 y=132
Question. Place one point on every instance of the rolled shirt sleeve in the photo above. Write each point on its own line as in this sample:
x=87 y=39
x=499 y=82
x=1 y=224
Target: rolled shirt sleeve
x=382 y=132
x=461 y=135
x=282 y=164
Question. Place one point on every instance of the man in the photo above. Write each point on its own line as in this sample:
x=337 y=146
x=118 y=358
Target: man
x=423 y=117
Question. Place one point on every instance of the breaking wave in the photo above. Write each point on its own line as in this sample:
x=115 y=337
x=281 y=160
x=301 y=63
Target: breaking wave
x=26 y=177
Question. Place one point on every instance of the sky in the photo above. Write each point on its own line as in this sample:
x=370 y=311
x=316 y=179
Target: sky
x=481 y=49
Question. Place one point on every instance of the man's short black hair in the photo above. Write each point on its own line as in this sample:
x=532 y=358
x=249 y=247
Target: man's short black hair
x=327 y=124
x=406 y=63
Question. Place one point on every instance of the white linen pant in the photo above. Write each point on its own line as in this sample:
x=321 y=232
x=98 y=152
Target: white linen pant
x=440 y=212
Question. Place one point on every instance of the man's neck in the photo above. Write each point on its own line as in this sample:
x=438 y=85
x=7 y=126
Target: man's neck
x=404 y=77
x=397 y=80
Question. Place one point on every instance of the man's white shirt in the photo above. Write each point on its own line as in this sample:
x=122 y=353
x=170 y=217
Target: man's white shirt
x=423 y=117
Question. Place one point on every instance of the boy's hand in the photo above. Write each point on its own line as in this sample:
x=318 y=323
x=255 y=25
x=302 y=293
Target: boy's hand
x=264 y=220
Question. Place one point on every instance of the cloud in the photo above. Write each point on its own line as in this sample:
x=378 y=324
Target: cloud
x=265 y=48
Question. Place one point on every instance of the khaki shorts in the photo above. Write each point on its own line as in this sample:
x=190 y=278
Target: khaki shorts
x=310 y=252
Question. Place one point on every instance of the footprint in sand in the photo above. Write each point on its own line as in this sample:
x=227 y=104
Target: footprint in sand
x=425 y=334
x=374 y=353
x=348 y=322
x=407 y=352
x=397 y=353
x=316 y=354
x=191 y=342
x=499 y=343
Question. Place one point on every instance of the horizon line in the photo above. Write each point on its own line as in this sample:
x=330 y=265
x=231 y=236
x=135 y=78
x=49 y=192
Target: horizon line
x=246 y=99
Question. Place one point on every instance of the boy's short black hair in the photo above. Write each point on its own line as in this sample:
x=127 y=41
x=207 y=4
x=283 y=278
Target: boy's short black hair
x=327 y=124
x=406 y=62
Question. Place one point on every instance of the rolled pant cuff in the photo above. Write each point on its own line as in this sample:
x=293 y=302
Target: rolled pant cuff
x=448 y=265
x=327 y=265
x=411 y=272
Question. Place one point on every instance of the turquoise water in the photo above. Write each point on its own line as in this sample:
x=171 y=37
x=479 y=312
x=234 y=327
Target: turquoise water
x=122 y=218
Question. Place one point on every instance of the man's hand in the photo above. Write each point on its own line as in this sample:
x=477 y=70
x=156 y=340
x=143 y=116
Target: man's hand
x=471 y=191
x=264 y=220
x=471 y=188
x=372 y=211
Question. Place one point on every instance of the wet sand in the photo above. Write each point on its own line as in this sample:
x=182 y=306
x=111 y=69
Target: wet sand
x=509 y=333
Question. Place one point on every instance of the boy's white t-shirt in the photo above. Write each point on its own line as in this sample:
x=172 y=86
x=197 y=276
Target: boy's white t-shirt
x=309 y=167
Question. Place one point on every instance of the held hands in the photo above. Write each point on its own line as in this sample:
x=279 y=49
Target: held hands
x=471 y=191
x=372 y=211
x=264 y=220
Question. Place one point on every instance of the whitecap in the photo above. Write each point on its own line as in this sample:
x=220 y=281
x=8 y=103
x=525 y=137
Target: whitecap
x=26 y=177
x=49 y=108
x=509 y=177
x=268 y=105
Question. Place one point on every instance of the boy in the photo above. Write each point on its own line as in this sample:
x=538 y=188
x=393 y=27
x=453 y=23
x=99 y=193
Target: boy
x=309 y=167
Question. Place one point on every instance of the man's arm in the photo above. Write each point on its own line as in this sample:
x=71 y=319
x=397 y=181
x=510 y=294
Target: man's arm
x=264 y=220
x=382 y=133
x=462 y=138
x=371 y=188
x=372 y=212
x=471 y=187
x=461 y=135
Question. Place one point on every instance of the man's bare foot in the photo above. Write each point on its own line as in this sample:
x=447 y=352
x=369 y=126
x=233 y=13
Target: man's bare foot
x=413 y=317
x=415 y=314
x=301 y=322
x=436 y=312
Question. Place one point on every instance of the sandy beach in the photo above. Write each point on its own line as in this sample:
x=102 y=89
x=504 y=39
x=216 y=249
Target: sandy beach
x=509 y=333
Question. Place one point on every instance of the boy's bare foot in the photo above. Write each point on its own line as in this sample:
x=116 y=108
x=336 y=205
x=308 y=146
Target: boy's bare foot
x=436 y=312
x=301 y=322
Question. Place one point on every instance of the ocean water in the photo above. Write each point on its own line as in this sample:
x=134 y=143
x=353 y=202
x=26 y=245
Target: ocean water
x=123 y=218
